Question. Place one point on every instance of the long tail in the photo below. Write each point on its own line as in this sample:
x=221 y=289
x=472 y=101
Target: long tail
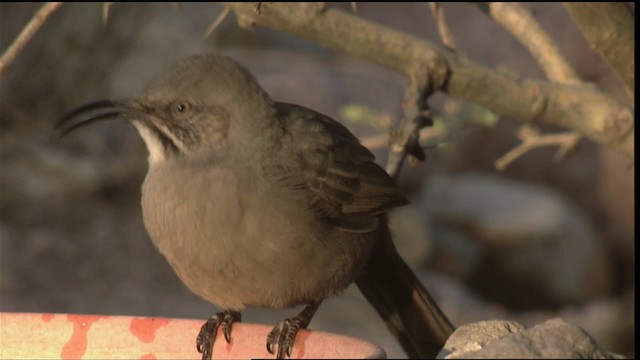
x=404 y=304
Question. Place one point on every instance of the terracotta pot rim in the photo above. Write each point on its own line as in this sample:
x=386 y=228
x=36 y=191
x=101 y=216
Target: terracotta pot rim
x=72 y=336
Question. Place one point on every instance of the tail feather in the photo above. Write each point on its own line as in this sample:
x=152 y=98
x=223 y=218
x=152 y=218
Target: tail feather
x=406 y=307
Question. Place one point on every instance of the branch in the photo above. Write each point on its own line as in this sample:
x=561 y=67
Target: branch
x=27 y=33
x=351 y=34
x=523 y=26
x=214 y=25
x=106 y=6
x=532 y=139
x=404 y=139
x=609 y=29
x=588 y=111
x=443 y=28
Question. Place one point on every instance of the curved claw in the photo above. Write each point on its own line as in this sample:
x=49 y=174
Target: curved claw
x=208 y=332
x=284 y=336
x=284 y=333
x=274 y=336
x=207 y=335
x=285 y=345
x=229 y=318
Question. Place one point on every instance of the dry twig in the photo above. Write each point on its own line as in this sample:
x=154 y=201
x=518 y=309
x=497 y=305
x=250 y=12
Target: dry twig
x=106 y=6
x=404 y=139
x=27 y=33
x=375 y=141
x=531 y=139
x=217 y=22
x=520 y=23
x=443 y=28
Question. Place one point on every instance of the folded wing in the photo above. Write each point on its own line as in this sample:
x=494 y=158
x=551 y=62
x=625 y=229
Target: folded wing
x=337 y=174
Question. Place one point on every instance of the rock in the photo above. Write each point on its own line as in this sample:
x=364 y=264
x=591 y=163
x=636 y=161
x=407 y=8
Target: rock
x=536 y=249
x=473 y=337
x=554 y=338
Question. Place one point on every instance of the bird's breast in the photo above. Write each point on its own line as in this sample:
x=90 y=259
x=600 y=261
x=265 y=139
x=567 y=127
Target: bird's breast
x=235 y=239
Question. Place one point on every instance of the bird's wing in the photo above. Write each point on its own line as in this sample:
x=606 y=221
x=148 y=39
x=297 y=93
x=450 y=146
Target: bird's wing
x=336 y=173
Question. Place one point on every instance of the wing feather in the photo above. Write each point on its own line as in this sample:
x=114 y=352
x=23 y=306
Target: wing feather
x=338 y=174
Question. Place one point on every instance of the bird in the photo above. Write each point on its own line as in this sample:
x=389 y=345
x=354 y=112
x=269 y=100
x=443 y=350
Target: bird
x=256 y=202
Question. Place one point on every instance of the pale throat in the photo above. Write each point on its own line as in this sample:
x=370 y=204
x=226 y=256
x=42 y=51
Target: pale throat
x=154 y=145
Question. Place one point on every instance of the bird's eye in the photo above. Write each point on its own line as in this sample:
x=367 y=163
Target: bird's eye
x=181 y=107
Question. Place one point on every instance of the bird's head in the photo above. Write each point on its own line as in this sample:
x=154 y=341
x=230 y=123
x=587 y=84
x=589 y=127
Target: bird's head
x=191 y=109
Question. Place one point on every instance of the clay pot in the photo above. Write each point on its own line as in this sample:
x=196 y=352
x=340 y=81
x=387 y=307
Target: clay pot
x=71 y=336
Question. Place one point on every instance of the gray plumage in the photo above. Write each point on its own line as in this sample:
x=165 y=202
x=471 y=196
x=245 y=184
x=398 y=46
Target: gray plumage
x=261 y=203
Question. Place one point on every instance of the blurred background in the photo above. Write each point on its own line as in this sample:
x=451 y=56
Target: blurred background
x=542 y=239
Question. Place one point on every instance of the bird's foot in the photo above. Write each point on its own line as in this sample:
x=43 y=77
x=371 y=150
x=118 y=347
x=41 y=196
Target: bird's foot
x=284 y=333
x=208 y=332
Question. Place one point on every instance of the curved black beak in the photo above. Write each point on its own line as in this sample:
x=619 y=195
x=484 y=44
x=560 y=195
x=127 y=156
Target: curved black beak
x=90 y=113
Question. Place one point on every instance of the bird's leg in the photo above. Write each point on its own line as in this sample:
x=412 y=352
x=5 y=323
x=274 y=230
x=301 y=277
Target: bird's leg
x=208 y=332
x=284 y=333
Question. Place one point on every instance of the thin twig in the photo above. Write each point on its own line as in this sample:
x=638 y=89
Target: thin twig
x=404 y=139
x=354 y=7
x=217 y=22
x=523 y=26
x=530 y=138
x=520 y=23
x=375 y=141
x=106 y=6
x=443 y=29
x=27 y=33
